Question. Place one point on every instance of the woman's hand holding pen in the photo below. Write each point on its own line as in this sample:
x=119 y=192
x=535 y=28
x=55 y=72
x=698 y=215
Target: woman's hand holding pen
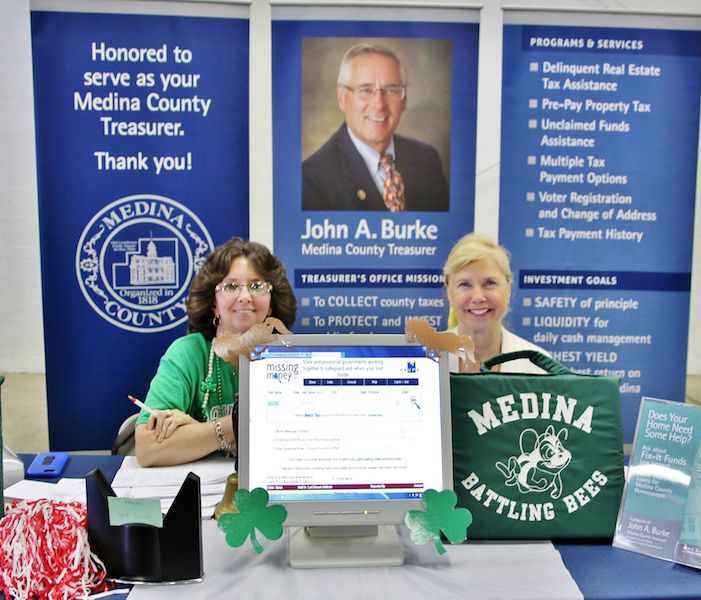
x=165 y=422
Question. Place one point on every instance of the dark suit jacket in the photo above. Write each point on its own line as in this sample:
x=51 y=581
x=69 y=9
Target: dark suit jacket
x=335 y=177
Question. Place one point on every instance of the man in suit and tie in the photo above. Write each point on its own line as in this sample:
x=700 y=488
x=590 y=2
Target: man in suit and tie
x=365 y=165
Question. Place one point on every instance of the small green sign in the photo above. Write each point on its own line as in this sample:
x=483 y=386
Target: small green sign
x=139 y=511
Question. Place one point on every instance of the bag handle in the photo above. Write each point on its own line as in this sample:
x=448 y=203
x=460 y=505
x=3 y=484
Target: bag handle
x=537 y=358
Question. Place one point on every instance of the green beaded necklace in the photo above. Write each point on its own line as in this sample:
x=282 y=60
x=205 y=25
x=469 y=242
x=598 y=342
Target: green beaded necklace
x=211 y=383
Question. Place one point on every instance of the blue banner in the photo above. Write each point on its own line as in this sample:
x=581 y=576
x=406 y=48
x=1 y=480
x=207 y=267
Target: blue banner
x=140 y=130
x=598 y=176
x=357 y=267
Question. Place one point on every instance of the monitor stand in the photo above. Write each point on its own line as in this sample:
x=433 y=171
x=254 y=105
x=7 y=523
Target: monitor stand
x=345 y=546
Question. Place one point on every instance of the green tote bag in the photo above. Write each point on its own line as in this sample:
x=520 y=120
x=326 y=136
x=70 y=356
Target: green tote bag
x=537 y=456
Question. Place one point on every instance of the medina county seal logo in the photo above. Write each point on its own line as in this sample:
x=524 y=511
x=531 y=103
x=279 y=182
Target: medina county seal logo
x=136 y=259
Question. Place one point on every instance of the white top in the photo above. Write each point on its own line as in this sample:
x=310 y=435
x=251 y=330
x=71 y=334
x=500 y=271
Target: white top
x=510 y=342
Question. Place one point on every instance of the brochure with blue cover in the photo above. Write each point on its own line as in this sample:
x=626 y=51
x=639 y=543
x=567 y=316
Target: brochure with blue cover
x=660 y=511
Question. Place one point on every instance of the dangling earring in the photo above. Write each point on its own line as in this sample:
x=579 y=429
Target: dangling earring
x=215 y=321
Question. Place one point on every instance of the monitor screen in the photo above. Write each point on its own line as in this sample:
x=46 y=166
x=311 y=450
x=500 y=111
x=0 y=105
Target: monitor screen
x=345 y=429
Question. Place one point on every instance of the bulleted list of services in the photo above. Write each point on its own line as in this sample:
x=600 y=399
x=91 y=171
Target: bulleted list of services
x=599 y=151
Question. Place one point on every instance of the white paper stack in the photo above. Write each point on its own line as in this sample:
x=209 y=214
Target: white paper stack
x=133 y=481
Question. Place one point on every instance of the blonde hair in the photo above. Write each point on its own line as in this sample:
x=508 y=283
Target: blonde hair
x=476 y=246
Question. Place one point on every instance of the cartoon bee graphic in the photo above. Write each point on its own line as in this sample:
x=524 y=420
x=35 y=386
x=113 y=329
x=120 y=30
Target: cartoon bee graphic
x=538 y=467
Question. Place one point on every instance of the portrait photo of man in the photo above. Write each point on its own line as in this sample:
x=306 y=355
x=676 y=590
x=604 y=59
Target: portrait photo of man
x=366 y=165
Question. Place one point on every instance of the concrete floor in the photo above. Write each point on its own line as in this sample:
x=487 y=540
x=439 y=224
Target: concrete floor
x=25 y=423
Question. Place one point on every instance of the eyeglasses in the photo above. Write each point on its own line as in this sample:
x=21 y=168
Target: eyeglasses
x=255 y=288
x=367 y=92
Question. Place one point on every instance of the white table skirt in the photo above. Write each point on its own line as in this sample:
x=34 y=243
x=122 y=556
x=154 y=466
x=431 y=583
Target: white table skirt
x=475 y=570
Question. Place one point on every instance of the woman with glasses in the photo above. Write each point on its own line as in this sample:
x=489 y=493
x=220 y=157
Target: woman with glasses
x=193 y=393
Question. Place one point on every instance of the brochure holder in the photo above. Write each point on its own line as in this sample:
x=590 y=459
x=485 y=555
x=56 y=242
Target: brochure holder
x=137 y=553
x=660 y=512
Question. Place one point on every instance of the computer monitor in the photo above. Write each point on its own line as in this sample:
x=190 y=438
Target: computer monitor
x=346 y=431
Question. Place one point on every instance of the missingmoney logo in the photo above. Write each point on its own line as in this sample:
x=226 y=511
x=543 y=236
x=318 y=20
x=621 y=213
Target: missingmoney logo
x=135 y=261
x=281 y=371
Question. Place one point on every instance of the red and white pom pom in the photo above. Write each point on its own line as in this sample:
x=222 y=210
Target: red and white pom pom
x=44 y=552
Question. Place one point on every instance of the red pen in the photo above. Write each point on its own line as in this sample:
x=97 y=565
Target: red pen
x=140 y=404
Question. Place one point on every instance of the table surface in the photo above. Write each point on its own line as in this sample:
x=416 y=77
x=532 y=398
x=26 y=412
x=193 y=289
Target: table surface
x=600 y=570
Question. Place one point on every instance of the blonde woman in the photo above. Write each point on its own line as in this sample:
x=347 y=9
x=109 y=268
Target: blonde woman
x=478 y=281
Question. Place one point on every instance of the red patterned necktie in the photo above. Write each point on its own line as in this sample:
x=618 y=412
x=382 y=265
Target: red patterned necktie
x=393 y=186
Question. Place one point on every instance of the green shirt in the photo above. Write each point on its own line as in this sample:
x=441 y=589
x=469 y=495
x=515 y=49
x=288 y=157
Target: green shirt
x=178 y=383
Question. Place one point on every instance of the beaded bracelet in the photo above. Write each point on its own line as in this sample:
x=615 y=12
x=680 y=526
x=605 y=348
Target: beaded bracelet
x=219 y=430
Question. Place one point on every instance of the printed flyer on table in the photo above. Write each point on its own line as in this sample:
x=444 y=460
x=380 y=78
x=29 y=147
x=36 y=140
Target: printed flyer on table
x=661 y=509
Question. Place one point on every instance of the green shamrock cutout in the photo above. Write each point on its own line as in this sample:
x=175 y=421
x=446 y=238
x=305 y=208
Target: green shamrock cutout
x=440 y=515
x=254 y=513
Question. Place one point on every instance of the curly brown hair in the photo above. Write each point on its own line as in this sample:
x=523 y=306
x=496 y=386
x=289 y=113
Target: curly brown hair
x=200 y=302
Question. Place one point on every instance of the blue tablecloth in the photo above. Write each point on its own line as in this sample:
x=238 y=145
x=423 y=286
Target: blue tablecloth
x=603 y=572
